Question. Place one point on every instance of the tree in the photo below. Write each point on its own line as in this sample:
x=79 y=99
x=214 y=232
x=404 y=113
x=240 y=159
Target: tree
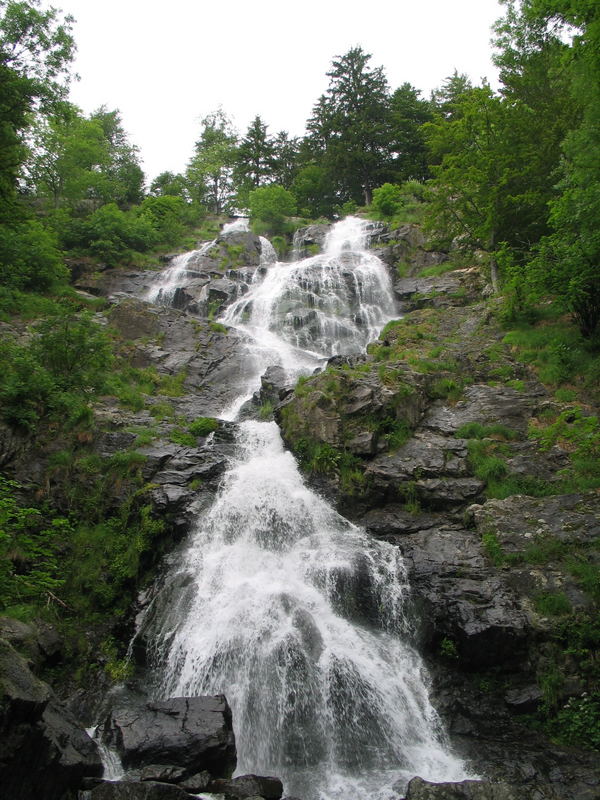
x=468 y=178
x=408 y=113
x=285 y=159
x=125 y=177
x=69 y=159
x=270 y=205
x=568 y=263
x=349 y=130
x=36 y=49
x=314 y=192
x=254 y=160
x=169 y=184
x=210 y=171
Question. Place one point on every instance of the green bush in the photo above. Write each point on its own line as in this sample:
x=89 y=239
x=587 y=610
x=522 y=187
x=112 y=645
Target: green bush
x=388 y=199
x=167 y=215
x=74 y=349
x=30 y=258
x=271 y=205
x=25 y=386
x=111 y=234
x=202 y=426
x=30 y=546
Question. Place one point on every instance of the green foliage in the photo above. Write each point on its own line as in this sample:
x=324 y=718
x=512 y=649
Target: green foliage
x=271 y=205
x=25 y=386
x=180 y=436
x=493 y=548
x=580 y=434
x=266 y=410
x=578 y=722
x=218 y=327
x=444 y=388
x=202 y=426
x=30 y=545
x=74 y=349
x=475 y=430
x=553 y=604
x=387 y=200
x=29 y=257
x=167 y=215
x=111 y=234
x=448 y=649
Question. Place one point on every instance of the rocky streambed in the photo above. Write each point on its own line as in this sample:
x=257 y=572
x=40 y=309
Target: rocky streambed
x=395 y=439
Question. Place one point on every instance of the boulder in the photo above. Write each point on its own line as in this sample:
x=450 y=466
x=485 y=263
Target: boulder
x=191 y=732
x=135 y=790
x=245 y=787
x=463 y=599
x=45 y=752
x=308 y=239
x=418 y=789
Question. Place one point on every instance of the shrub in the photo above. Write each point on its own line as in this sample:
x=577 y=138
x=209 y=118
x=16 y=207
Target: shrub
x=167 y=216
x=74 y=349
x=30 y=258
x=202 y=426
x=111 y=234
x=388 y=199
x=271 y=205
x=25 y=386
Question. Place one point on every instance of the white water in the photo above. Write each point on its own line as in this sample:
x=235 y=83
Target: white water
x=163 y=290
x=293 y=613
x=300 y=313
x=113 y=769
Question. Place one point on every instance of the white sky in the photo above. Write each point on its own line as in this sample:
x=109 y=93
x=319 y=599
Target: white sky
x=166 y=65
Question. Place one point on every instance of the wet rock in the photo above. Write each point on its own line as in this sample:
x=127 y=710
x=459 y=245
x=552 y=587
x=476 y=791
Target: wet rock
x=190 y=732
x=134 y=790
x=486 y=405
x=307 y=239
x=12 y=442
x=418 y=789
x=425 y=455
x=462 y=599
x=274 y=385
x=45 y=752
x=524 y=700
x=247 y=786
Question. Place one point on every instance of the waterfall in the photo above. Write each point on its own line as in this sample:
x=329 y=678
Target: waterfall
x=277 y=601
x=268 y=254
x=239 y=225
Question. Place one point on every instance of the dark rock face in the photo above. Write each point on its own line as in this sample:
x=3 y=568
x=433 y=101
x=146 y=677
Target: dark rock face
x=462 y=600
x=309 y=238
x=45 y=752
x=418 y=789
x=247 y=786
x=190 y=732
x=132 y=790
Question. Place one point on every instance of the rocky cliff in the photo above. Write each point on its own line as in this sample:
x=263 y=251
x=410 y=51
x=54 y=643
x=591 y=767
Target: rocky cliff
x=431 y=441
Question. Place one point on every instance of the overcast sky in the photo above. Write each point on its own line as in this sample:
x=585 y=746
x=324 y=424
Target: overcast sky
x=166 y=65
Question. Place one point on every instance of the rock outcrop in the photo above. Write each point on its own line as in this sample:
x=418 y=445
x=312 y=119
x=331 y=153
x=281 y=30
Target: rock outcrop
x=194 y=733
x=45 y=752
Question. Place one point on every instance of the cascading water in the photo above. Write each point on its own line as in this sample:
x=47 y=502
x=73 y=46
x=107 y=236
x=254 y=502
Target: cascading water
x=292 y=612
x=163 y=290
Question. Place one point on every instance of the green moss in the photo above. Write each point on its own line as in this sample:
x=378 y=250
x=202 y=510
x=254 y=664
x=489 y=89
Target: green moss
x=493 y=548
x=202 y=426
x=475 y=430
x=179 y=436
x=552 y=604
